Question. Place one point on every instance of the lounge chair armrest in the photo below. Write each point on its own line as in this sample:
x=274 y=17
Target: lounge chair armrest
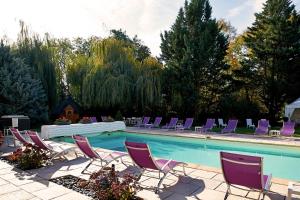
x=167 y=163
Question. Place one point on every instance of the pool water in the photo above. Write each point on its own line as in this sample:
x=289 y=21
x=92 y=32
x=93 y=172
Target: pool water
x=281 y=161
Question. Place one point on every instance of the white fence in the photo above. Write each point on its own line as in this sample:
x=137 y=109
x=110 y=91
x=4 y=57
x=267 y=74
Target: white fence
x=50 y=131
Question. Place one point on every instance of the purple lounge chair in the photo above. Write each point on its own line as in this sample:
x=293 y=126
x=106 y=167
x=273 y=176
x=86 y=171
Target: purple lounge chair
x=54 y=151
x=262 y=127
x=187 y=124
x=155 y=124
x=93 y=119
x=172 y=123
x=144 y=122
x=230 y=128
x=141 y=155
x=246 y=171
x=84 y=145
x=16 y=133
x=208 y=126
x=288 y=128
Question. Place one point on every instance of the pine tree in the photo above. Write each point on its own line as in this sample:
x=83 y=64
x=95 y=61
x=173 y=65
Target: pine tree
x=193 y=51
x=20 y=93
x=274 y=42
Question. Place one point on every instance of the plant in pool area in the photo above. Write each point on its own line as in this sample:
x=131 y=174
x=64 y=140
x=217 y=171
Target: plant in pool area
x=31 y=157
x=107 y=185
x=85 y=120
x=62 y=121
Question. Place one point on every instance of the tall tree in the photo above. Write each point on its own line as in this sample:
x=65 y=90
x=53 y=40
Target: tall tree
x=193 y=51
x=274 y=41
x=140 y=50
x=37 y=54
x=20 y=92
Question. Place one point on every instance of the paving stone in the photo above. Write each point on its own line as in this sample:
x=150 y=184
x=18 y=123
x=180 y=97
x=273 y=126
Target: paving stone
x=52 y=192
x=202 y=174
x=183 y=189
x=4 y=165
x=9 y=170
x=208 y=194
x=7 y=188
x=234 y=197
x=150 y=194
x=281 y=189
x=3 y=182
x=274 y=196
x=180 y=197
x=24 y=180
x=72 y=196
x=38 y=185
x=16 y=195
x=234 y=190
x=219 y=177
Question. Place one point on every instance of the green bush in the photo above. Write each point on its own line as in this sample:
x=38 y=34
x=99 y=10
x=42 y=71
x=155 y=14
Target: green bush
x=119 y=116
x=31 y=157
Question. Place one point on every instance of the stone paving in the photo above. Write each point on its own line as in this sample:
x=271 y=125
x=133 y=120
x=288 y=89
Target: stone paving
x=200 y=183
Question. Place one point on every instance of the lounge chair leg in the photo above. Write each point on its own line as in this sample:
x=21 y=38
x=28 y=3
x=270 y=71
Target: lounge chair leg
x=183 y=168
x=87 y=166
x=160 y=182
x=141 y=174
x=227 y=192
x=123 y=162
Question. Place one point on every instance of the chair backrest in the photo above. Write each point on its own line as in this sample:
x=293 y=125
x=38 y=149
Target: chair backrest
x=141 y=155
x=37 y=140
x=18 y=135
x=209 y=123
x=93 y=119
x=104 y=118
x=249 y=122
x=232 y=124
x=146 y=120
x=242 y=170
x=84 y=145
x=263 y=124
x=157 y=121
x=289 y=125
x=220 y=121
x=173 y=122
x=188 y=123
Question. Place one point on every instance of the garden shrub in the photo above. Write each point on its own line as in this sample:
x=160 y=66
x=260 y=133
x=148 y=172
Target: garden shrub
x=31 y=157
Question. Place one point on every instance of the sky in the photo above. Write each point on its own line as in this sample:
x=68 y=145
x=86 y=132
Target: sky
x=84 y=18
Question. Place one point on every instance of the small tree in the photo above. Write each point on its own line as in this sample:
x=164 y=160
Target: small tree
x=20 y=93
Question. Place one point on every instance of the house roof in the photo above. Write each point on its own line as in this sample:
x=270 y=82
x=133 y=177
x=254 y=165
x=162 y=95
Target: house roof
x=62 y=105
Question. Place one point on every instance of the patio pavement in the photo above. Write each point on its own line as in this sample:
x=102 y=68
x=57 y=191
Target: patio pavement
x=201 y=182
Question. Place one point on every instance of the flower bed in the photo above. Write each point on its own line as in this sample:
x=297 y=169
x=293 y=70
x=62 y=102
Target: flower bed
x=31 y=157
x=103 y=185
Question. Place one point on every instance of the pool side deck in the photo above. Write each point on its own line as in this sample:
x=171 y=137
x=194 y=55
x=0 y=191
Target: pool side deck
x=200 y=183
x=285 y=141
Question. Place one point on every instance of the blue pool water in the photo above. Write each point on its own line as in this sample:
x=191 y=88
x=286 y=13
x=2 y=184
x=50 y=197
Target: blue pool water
x=281 y=161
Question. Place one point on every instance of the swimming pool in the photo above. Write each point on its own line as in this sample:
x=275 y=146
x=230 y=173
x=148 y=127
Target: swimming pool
x=281 y=161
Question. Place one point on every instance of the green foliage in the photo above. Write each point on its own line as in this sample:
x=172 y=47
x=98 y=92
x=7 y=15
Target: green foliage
x=194 y=51
x=30 y=158
x=20 y=92
x=141 y=52
x=37 y=54
x=119 y=116
x=273 y=41
x=111 y=77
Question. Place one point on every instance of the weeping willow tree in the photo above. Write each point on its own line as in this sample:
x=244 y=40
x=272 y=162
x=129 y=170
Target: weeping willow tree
x=110 y=77
x=110 y=80
x=37 y=54
x=148 y=84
